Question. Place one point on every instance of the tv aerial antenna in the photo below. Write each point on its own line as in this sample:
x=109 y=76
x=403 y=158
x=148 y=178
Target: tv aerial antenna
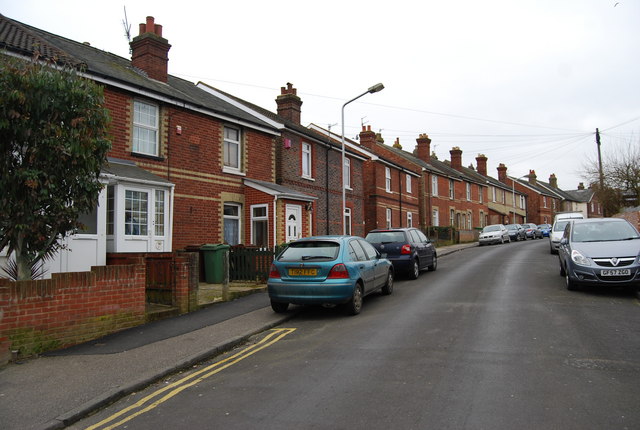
x=127 y=28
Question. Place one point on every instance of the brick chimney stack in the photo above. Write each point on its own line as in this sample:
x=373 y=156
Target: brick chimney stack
x=150 y=51
x=532 y=177
x=502 y=173
x=456 y=157
x=481 y=160
x=553 y=181
x=368 y=138
x=423 y=148
x=289 y=104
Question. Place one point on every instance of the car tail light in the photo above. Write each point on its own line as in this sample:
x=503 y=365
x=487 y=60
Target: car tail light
x=339 y=271
x=273 y=272
x=406 y=249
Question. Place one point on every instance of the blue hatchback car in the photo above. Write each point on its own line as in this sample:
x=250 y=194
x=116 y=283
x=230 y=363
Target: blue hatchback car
x=328 y=270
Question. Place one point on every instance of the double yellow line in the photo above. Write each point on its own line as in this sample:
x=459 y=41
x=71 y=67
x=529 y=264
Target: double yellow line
x=148 y=403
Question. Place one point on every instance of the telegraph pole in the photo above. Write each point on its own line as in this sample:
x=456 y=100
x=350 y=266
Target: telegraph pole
x=599 y=160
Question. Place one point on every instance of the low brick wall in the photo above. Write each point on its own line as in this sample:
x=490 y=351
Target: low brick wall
x=69 y=308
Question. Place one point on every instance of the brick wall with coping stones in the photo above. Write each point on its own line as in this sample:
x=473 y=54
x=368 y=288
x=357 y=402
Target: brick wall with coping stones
x=70 y=308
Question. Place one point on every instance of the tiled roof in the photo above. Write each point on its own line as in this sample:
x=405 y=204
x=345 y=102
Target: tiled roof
x=103 y=66
x=126 y=169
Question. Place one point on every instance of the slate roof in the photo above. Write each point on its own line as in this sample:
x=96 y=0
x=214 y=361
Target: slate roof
x=583 y=196
x=109 y=68
x=278 y=190
x=125 y=169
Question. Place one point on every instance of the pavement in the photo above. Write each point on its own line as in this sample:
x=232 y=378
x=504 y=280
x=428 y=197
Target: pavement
x=59 y=388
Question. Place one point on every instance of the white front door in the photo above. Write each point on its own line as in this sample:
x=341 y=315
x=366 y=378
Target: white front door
x=293 y=216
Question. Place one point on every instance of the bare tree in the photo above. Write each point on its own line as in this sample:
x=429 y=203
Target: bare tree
x=621 y=178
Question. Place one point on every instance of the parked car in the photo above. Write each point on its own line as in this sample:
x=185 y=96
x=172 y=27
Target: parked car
x=559 y=223
x=516 y=232
x=408 y=249
x=600 y=251
x=545 y=229
x=328 y=270
x=531 y=231
x=495 y=233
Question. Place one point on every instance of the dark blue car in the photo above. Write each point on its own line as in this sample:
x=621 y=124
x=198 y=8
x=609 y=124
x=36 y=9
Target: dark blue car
x=408 y=249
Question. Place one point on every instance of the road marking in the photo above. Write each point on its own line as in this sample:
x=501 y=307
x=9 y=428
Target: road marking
x=145 y=405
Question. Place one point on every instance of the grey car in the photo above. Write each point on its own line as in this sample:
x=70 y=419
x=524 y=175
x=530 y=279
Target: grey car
x=494 y=233
x=600 y=251
x=516 y=232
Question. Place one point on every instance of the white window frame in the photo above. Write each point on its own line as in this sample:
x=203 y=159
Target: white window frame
x=388 y=217
x=347 y=173
x=522 y=202
x=262 y=218
x=226 y=141
x=480 y=197
x=452 y=217
x=232 y=217
x=435 y=217
x=307 y=161
x=468 y=185
x=387 y=179
x=434 y=185
x=544 y=201
x=452 y=189
x=140 y=223
x=408 y=183
x=469 y=220
x=145 y=146
x=347 y=221
x=493 y=194
x=409 y=219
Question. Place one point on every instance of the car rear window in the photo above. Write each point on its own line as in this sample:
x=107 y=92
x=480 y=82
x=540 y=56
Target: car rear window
x=385 y=237
x=310 y=251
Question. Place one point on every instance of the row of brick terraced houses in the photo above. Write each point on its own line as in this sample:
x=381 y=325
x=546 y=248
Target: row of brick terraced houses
x=191 y=164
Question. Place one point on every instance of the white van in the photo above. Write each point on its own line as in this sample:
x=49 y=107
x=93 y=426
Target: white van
x=559 y=222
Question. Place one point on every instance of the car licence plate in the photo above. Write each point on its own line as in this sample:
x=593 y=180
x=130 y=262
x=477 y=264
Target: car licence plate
x=303 y=272
x=615 y=272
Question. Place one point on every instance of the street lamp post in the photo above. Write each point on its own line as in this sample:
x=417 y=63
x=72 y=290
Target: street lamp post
x=371 y=90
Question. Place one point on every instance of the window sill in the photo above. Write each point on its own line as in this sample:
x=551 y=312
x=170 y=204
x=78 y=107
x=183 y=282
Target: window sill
x=147 y=156
x=233 y=171
x=308 y=178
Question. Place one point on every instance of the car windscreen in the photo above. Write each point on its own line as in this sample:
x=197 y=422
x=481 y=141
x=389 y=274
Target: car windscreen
x=311 y=251
x=560 y=225
x=385 y=237
x=603 y=231
x=491 y=228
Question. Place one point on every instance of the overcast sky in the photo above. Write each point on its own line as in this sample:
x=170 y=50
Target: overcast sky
x=524 y=82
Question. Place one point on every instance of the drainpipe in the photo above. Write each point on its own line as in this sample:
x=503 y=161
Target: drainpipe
x=400 y=194
x=275 y=230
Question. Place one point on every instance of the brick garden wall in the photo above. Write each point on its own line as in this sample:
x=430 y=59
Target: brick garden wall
x=69 y=308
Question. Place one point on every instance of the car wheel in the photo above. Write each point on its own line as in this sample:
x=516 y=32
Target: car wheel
x=415 y=272
x=562 y=271
x=571 y=286
x=279 y=307
x=354 y=306
x=388 y=287
x=434 y=264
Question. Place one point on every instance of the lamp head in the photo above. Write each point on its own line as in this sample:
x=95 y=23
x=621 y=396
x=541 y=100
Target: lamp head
x=376 y=88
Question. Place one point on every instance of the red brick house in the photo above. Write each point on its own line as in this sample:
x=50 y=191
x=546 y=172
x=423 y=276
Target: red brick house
x=391 y=185
x=542 y=202
x=185 y=168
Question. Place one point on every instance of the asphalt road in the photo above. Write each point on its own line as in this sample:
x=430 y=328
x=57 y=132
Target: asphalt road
x=491 y=340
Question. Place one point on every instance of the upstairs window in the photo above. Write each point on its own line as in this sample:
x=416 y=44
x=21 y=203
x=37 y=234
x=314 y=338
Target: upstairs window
x=347 y=173
x=306 y=160
x=434 y=185
x=480 y=191
x=408 y=183
x=145 y=128
x=232 y=148
x=468 y=191
x=387 y=179
x=451 y=189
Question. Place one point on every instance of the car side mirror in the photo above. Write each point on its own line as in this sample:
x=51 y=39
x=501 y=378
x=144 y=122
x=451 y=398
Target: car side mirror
x=564 y=241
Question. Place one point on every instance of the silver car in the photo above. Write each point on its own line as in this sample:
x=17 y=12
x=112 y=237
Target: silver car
x=494 y=233
x=600 y=251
